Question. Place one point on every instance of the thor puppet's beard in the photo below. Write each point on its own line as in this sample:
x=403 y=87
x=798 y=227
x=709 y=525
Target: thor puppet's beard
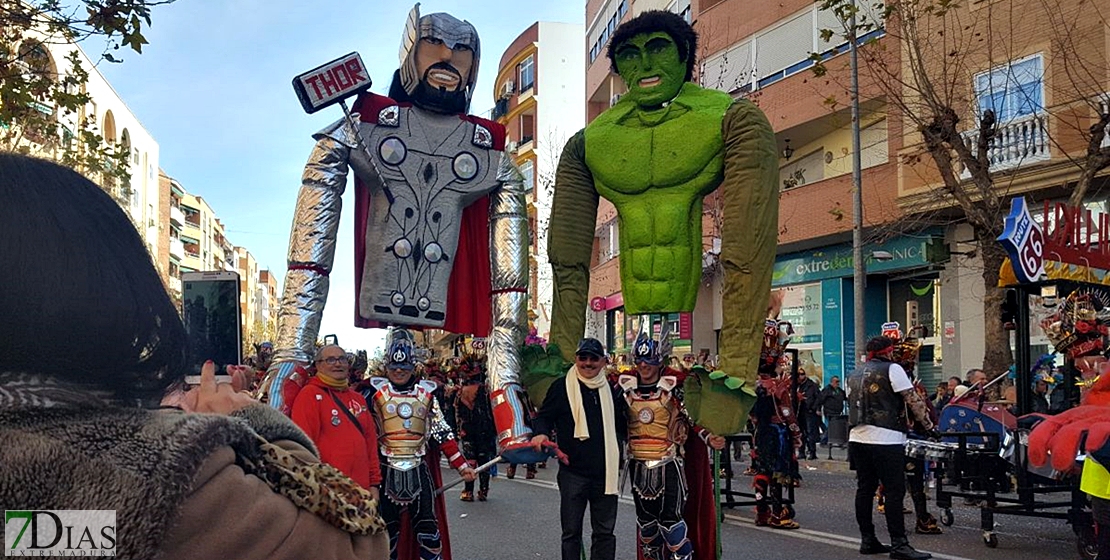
x=440 y=99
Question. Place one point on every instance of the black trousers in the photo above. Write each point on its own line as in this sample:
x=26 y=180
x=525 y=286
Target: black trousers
x=875 y=464
x=575 y=493
x=915 y=482
x=812 y=426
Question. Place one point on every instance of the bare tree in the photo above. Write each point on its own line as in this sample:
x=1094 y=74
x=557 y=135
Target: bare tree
x=967 y=146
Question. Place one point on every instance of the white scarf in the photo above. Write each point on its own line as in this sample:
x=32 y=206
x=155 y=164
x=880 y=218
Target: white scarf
x=582 y=430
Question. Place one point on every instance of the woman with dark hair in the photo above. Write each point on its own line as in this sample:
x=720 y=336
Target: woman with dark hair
x=89 y=344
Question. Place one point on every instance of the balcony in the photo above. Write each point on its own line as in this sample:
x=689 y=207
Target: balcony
x=177 y=249
x=177 y=217
x=1018 y=143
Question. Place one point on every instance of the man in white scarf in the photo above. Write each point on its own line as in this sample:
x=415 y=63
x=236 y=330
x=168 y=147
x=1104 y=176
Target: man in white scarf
x=588 y=419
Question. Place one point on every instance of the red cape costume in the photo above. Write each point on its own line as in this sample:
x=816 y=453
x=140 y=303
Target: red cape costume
x=468 y=290
x=701 y=504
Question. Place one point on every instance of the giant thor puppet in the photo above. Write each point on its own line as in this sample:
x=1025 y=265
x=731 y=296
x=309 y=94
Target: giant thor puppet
x=440 y=222
x=655 y=154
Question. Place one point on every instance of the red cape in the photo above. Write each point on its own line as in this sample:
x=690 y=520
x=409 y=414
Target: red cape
x=701 y=504
x=468 y=290
x=407 y=548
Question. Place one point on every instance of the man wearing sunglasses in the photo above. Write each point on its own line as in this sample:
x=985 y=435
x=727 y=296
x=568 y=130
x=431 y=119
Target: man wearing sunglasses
x=588 y=417
x=338 y=421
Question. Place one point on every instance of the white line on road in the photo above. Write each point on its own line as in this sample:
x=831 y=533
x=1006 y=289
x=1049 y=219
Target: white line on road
x=831 y=539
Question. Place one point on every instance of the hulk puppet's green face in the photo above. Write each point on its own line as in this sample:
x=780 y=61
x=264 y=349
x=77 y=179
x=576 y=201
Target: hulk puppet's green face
x=649 y=64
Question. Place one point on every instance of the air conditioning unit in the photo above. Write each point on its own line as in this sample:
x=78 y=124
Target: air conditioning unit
x=613 y=100
x=507 y=89
x=512 y=146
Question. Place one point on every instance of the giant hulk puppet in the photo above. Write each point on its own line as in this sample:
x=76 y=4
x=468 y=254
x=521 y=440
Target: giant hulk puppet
x=655 y=154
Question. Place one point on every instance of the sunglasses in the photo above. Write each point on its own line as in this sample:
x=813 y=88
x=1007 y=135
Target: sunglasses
x=587 y=358
x=335 y=360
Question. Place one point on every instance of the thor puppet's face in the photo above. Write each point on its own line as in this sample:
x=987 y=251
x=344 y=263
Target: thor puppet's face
x=651 y=68
x=439 y=61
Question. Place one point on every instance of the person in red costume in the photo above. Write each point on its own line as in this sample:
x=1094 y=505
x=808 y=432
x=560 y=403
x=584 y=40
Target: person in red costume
x=338 y=421
x=1057 y=439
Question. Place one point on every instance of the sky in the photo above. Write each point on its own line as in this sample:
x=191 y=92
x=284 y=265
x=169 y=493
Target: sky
x=213 y=89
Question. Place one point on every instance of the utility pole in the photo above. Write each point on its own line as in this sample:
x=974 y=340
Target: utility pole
x=859 y=272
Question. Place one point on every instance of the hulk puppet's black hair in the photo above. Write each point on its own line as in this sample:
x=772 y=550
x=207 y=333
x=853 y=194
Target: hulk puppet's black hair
x=683 y=34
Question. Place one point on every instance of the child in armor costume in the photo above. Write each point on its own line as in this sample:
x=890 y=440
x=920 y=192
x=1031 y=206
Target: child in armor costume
x=658 y=426
x=407 y=413
x=777 y=437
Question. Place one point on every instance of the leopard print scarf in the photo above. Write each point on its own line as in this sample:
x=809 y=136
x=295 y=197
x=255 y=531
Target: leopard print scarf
x=316 y=487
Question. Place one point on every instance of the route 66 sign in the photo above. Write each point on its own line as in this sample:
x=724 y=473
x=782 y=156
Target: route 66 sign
x=478 y=343
x=1024 y=242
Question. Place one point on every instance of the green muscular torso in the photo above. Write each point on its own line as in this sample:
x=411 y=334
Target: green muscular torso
x=656 y=168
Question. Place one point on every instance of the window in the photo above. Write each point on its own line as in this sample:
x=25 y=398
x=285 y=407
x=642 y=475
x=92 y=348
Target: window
x=804 y=170
x=1012 y=90
x=527 y=72
x=527 y=128
x=529 y=171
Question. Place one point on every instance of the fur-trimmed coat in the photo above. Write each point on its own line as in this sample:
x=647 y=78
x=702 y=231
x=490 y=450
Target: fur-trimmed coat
x=173 y=478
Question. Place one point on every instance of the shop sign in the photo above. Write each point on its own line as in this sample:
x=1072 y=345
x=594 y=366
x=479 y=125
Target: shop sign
x=685 y=326
x=597 y=304
x=837 y=261
x=1075 y=235
x=1024 y=242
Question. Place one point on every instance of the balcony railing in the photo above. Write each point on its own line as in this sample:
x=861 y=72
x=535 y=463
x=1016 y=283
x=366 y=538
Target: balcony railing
x=177 y=217
x=1017 y=143
x=177 y=248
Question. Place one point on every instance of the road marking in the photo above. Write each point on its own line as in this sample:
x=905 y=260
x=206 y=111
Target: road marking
x=831 y=539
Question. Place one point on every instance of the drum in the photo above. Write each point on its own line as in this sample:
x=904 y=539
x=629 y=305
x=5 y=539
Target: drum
x=930 y=450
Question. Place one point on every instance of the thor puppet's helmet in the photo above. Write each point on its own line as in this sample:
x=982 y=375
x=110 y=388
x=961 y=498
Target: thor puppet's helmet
x=776 y=337
x=647 y=351
x=452 y=32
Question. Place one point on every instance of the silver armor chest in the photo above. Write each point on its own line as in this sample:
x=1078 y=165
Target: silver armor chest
x=430 y=168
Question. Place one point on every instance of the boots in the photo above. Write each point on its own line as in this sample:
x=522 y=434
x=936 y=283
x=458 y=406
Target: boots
x=483 y=494
x=900 y=549
x=530 y=471
x=869 y=544
x=927 y=526
x=783 y=519
x=511 y=472
x=467 y=496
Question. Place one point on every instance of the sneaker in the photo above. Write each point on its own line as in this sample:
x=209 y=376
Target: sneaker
x=762 y=518
x=510 y=472
x=483 y=495
x=467 y=496
x=530 y=474
x=750 y=471
x=782 y=523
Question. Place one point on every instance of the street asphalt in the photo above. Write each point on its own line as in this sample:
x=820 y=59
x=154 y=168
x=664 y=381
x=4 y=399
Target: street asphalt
x=521 y=521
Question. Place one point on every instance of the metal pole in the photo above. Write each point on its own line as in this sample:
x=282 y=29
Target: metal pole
x=859 y=273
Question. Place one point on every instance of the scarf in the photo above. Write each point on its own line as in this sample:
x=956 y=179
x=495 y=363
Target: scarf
x=582 y=429
x=338 y=385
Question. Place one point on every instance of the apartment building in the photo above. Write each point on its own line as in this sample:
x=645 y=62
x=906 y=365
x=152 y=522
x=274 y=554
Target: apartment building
x=247 y=267
x=919 y=270
x=539 y=88
x=119 y=127
x=171 y=251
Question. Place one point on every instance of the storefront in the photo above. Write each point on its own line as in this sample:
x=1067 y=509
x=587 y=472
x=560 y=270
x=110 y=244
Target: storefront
x=902 y=285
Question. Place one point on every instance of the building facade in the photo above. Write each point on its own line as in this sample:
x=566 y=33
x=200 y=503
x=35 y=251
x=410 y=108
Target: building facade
x=920 y=268
x=539 y=89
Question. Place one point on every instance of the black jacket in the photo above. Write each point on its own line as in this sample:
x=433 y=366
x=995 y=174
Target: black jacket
x=831 y=401
x=810 y=390
x=586 y=457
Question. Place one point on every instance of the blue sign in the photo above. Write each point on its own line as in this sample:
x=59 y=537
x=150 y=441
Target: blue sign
x=1024 y=242
x=837 y=262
